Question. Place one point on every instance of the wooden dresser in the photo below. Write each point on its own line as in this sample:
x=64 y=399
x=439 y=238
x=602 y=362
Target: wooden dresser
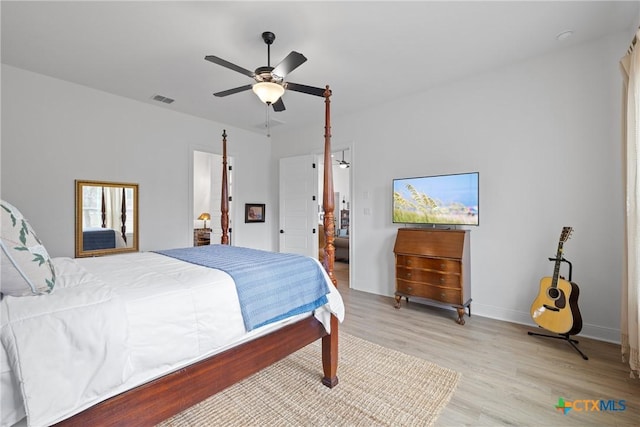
x=434 y=264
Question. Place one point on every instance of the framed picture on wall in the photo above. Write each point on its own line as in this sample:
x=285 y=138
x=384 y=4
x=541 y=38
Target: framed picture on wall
x=254 y=212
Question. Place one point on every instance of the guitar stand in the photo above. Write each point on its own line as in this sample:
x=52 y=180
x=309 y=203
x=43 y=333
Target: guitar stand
x=565 y=337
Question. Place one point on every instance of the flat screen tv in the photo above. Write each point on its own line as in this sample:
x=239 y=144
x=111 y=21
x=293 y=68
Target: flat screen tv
x=437 y=200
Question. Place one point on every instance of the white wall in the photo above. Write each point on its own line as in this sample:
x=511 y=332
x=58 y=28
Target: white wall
x=544 y=135
x=54 y=132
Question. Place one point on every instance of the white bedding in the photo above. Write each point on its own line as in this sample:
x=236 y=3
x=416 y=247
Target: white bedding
x=113 y=323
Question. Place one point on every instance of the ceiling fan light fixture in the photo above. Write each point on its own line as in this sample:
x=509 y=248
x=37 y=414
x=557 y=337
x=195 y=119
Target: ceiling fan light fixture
x=268 y=92
x=343 y=164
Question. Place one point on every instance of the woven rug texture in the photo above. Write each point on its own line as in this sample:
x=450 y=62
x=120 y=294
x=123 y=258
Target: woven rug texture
x=377 y=387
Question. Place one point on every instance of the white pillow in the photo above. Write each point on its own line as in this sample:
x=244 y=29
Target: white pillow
x=26 y=266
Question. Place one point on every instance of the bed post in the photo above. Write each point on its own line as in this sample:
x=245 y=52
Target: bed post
x=329 y=342
x=224 y=195
x=327 y=196
x=123 y=215
x=103 y=212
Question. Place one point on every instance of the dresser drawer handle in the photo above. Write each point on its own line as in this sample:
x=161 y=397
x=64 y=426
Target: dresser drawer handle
x=408 y=262
x=442 y=266
x=443 y=295
x=408 y=275
x=442 y=280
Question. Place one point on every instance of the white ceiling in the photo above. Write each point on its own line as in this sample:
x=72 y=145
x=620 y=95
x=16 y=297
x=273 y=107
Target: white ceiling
x=368 y=52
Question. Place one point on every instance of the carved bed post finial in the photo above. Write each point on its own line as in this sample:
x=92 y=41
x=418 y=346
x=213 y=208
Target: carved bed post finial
x=224 y=195
x=327 y=197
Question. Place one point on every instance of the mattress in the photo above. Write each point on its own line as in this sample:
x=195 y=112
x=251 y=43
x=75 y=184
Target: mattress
x=114 y=323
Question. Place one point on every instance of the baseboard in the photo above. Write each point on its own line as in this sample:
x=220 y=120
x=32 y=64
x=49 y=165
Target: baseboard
x=588 y=330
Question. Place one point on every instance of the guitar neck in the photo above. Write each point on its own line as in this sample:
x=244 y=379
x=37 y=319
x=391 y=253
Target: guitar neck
x=556 y=268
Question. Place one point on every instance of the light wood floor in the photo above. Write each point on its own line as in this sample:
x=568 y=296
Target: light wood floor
x=508 y=377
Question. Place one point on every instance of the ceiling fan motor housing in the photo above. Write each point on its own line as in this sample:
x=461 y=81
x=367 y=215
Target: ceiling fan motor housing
x=263 y=74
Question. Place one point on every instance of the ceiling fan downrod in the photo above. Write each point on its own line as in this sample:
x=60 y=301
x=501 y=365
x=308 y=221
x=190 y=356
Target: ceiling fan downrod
x=268 y=38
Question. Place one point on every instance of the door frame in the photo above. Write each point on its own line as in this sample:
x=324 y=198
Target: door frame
x=191 y=170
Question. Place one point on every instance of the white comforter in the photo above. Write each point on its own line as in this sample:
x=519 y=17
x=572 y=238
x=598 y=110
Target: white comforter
x=114 y=323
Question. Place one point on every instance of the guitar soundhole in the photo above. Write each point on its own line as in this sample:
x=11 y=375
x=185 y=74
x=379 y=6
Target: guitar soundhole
x=553 y=293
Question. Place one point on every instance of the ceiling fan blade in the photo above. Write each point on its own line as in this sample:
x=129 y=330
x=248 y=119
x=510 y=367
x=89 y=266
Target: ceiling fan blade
x=304 y=89
x=278 y=105
x=229 y=65
x=288 y=64
x=232 y=91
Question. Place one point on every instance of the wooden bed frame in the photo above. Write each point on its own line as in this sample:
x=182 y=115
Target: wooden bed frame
x=166 y=396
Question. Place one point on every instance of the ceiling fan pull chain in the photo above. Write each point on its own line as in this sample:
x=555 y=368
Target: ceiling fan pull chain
x=267 y=122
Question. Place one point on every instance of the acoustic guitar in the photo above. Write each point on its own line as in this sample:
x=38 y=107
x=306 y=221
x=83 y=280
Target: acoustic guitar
x=556 y=306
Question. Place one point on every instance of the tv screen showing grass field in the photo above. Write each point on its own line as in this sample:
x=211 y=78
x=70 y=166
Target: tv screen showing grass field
x=442 y=199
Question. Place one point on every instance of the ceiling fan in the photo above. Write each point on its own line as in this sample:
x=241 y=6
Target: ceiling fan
x=343 y=164
x=269 y=81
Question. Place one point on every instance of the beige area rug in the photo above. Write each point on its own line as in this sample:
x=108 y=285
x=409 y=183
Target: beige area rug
x=377 y=387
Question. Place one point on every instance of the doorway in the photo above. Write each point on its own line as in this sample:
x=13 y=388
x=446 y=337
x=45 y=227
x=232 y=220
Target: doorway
x=207 y=190
x=341 y=168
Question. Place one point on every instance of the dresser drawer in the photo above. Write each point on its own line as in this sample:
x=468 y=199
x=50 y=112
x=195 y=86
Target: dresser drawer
x=447 y=295
x=428 y=277
x=439 y=264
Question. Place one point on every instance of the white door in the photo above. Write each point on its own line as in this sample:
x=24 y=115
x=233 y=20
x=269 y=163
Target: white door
x=298 y=206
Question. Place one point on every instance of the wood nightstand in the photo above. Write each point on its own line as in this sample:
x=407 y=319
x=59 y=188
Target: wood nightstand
x=201 y=236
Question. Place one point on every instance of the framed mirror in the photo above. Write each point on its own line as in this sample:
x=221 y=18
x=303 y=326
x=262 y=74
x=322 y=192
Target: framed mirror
x=106 y=218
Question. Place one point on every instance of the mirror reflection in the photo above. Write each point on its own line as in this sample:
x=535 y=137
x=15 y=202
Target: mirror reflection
x=106 y=218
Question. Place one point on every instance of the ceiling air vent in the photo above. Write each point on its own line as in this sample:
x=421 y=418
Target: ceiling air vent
x=161 y=98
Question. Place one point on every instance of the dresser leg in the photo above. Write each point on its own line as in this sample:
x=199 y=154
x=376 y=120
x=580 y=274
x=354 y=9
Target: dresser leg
x=460 y=311
x=398 y=301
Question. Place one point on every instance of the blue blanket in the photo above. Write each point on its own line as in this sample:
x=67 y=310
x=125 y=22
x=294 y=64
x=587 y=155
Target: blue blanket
x=271 y=286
